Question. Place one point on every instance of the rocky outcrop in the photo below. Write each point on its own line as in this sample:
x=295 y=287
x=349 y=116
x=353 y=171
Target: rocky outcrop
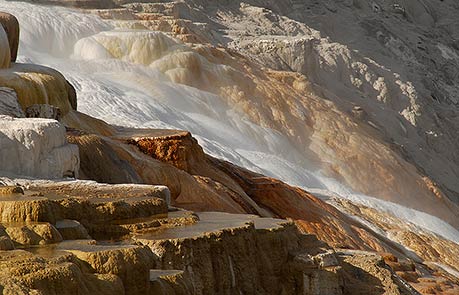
x=25 y=273
x=271 y=196
x=375 y=276
x=72 y=230
x=97 y=164
x=212 y=251
x=435 y=251
x=220 y=250
x=36 y=148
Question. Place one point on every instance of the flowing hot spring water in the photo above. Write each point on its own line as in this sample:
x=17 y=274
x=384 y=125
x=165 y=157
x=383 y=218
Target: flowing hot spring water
x=130 y=89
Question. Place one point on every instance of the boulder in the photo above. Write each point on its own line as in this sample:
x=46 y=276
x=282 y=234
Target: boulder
x=6 y=243
x=130 y=263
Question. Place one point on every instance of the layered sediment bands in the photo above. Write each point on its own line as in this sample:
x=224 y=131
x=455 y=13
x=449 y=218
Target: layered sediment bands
x=225 y=247
x=89 y=4
x=209 y=252
x=272 y=196
x=310 y=213
x=91 y=189
x=86 y=201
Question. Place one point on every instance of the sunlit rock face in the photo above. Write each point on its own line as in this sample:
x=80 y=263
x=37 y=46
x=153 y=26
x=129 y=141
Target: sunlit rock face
x=36 y=148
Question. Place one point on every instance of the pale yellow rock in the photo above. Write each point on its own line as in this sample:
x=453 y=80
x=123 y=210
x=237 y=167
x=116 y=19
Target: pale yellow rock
x=24 y=273
x=36 y=84
x=34 y=234
x=130 y=263
x=20 y=209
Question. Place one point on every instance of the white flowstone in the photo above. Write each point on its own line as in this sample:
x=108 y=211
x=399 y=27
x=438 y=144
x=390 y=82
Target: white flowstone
x=36 y=148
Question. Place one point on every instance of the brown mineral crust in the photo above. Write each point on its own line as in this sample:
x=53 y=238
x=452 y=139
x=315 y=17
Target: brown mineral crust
x=11 y=26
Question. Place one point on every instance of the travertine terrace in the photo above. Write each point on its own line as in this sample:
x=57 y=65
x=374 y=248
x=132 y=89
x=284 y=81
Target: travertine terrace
x=192 y=147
